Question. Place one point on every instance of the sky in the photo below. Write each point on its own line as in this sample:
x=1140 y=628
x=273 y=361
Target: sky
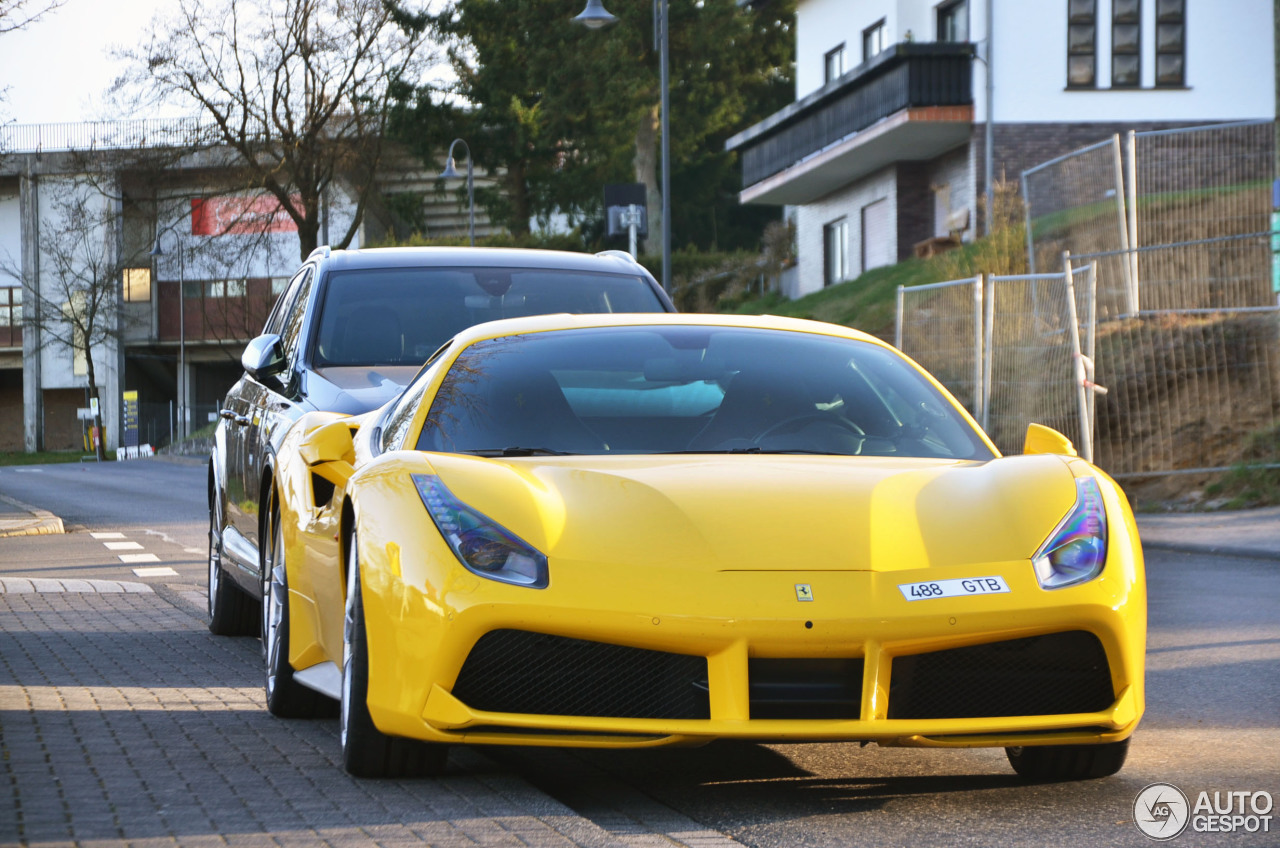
x=58 y=68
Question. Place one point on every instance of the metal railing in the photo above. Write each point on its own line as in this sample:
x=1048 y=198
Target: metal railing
x=903 y=76
x=103 y=135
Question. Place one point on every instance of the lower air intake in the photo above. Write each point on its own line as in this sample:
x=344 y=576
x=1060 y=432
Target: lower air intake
x=1042 y=675
x=514 y=671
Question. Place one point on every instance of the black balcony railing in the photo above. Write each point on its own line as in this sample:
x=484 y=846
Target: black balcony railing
x=904 y=76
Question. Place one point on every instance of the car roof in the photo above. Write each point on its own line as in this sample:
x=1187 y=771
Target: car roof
x=564 y=321
x=501 y=257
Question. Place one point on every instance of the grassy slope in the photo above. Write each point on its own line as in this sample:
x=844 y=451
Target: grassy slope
x=868 y=302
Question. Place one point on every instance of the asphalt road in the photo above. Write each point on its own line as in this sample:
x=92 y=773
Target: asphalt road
x=1212 y=725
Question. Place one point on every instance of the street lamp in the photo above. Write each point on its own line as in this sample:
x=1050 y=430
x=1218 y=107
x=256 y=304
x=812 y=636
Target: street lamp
x=595 y=16
x=451 y=172
x=182 y=335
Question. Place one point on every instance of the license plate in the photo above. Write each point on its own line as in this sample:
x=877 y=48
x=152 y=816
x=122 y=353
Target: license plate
x=953 y=588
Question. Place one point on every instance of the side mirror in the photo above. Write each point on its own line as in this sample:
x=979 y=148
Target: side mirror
x=329 y=451
x=1042 y=439
x=263 y=357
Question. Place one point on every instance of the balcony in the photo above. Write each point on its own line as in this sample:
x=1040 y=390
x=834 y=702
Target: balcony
x=911 y=102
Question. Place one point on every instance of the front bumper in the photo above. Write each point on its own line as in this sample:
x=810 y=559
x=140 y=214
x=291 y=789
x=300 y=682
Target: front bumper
x=420 y=641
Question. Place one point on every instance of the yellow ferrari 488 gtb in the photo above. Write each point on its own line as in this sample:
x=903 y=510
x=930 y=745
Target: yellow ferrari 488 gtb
x=634 y=530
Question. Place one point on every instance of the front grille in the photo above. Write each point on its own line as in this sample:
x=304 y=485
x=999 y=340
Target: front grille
x=514 y=671
x=805 y=688
x=1042 y=675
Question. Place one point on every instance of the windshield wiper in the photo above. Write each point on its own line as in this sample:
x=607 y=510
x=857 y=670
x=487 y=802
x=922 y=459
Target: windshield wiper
x=519 y=451
x=758 y=449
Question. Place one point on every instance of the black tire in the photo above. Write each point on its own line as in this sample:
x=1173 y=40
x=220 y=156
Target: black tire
x=1054 y=763
x=231 y=611
x=367 y=751
x=286 y=697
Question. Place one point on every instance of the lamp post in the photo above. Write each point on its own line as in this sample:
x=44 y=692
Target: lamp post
x=451 y=172
x=595 y=16
x=157 y=252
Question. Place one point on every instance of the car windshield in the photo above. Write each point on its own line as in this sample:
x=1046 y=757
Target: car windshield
x=691 y=389
x=400 y=316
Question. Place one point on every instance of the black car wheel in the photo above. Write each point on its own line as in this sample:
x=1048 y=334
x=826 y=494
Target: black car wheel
x=1053 y=763
x=367 y=751
x=286 y=697
x=231 y=611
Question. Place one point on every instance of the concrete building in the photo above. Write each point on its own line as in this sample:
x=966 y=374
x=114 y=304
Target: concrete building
x=884 y=150
x=179 y=320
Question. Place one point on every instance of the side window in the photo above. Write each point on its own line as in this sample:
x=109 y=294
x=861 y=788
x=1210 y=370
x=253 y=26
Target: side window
x=292 y=326
x=285 y=301
x=401 y=415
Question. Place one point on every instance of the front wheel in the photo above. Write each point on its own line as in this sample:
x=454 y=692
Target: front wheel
x=1054 y=763
x=231 y=611
x=367 y=751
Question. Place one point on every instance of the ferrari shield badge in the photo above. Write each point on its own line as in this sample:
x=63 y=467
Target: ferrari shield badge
x=804 y=592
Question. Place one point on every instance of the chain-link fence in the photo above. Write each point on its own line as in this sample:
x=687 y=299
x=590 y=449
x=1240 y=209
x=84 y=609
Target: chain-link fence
x=941 y=326
x=1010 y=348
x=1176 y=223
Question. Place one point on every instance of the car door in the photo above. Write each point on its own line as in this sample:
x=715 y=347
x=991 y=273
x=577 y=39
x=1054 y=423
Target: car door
x=262 y=399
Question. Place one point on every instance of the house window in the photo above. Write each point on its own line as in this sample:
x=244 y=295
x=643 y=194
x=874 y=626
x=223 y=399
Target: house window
x=137 y=285
x=873 y=40
x=833 y=64
x=1126 y=43
x=1171 y=40
x=224 y=288
x=11 y=306
x=1082 y=38
x=953 y=21
x=835 y=251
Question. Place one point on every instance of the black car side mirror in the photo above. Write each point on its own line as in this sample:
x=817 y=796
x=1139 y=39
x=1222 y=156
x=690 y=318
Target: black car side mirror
x=263 y=357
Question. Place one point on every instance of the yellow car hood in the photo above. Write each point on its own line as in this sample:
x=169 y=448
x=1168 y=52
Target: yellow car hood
x=769 y=512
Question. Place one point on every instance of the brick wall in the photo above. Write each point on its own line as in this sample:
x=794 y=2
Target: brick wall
x=62 y=430
x=10 y=409
x=1022 y=146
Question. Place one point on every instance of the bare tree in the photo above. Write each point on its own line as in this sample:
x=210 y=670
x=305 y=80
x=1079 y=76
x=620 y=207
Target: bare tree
x=77 y=304
x=298 y=90
x=16 y=14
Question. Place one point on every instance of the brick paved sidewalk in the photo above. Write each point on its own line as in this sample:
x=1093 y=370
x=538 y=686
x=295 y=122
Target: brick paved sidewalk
x=122 y=720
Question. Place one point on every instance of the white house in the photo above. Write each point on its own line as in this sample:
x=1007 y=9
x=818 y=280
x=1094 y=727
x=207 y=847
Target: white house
x=884 y=148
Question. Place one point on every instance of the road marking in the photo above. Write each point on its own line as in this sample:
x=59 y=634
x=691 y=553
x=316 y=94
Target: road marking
x=161 y=571
x=122 y=546
x=107 y=535
x=139 y=558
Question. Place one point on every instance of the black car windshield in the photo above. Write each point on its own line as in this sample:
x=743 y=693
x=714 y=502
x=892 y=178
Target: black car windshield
x=400 y=316
x=691 y=389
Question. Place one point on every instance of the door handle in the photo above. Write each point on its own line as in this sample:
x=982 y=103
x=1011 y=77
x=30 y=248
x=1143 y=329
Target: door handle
x=242 y=419
x=227 y=414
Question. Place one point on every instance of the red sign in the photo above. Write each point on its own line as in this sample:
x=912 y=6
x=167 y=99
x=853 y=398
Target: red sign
x=220 y=216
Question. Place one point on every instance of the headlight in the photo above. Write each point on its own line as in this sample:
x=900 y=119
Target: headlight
x=481 y=544
x=1077 y=548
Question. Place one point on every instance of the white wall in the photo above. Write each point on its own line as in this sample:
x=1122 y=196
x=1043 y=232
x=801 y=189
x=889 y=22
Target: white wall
x=1230 y=70
x=823 y=24
x=231 y=256
x=1229 y=57
x=10 y=238
x=57 y=366
x=847 y=202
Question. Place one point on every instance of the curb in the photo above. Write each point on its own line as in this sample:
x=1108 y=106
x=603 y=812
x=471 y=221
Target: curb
x=40 y=522
x=1212 y=550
